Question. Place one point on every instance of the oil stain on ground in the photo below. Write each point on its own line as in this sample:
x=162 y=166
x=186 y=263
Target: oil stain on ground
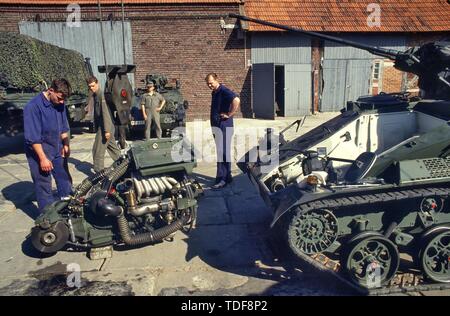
x=52 y=281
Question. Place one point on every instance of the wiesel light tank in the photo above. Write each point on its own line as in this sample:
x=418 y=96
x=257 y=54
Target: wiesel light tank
x=353 y=193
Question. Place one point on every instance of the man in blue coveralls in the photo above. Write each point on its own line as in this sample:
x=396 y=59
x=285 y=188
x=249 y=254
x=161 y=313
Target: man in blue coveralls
x=224 y=105
x=47 y=142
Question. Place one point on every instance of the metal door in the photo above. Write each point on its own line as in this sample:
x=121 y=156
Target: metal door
x=263 y=78
x=333 y=93
x=344 y=80
x=297 y=91
x=359 y=72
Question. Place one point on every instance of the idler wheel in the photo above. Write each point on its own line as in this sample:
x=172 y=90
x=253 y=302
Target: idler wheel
x=312 y=231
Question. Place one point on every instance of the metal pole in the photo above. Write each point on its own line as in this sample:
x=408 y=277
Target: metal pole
x=123 y=35
x=103 y=39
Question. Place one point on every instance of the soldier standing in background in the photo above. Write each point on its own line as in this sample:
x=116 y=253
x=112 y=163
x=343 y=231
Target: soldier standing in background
x=151 y=104
x=103 y=126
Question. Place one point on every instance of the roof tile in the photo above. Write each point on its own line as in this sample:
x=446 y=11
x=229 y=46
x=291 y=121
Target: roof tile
x=105 y=2
x=351 y=15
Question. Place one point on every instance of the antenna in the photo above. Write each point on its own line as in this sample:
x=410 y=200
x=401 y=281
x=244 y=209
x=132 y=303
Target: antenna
x=123 y=35
x=103 y=38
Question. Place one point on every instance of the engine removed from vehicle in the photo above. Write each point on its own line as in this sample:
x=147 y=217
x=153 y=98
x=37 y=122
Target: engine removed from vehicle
x=145 y=197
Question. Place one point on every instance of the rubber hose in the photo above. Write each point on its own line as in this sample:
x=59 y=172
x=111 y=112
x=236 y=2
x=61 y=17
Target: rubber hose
x=116 y=195
x=150 y=237
x=87 y=183
x=119 y=171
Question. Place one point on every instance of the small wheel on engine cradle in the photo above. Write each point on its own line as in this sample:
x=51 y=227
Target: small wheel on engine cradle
x=435 y=257
x=371 y=260
x=312 y=231
x=50 y=240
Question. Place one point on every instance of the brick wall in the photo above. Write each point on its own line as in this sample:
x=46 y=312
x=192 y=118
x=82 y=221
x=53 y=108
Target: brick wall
x=182 y=42
x=316 y=55
x=392 y=78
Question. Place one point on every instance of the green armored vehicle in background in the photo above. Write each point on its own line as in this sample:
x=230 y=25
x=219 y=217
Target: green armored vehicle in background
x=27 y=66
x=360 y=194
x=172 y=115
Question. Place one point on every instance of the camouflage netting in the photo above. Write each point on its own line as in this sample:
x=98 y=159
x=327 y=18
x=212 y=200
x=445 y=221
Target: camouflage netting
x=25 y=62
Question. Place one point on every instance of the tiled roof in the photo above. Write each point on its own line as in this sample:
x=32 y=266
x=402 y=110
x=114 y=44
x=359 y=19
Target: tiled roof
x=351 y=15
x=105 y=2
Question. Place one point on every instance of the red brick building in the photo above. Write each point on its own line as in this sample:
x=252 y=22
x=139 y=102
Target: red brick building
x=396 y=24
x=185 y=39
x=182 y=39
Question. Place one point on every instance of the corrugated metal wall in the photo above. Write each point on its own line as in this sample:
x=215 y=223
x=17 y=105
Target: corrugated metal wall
x=347 y=70
x=339 y=51
x=344 y=80
x=280 y=49
x=86 y=40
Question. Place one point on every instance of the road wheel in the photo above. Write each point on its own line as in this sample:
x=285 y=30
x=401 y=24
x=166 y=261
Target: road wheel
x=435 y=256
x=371 y=261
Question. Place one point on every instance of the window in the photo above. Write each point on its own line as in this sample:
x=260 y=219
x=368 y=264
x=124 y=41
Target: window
x=376 y=69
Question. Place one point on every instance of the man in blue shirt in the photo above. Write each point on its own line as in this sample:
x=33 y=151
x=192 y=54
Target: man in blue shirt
x=46 y=132
x=224 y=105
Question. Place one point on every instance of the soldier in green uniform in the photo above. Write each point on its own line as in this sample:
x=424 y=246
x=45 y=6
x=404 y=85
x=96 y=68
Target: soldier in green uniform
x=104 y=127
x=151 y=104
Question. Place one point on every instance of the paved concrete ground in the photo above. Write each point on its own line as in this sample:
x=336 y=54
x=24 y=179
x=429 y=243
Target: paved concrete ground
x=229 y=252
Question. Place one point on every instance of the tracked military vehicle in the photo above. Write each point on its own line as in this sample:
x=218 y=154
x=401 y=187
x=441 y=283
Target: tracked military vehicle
x=354 y=193
x=27 y=65
x=119 y=96
x=172 y=115
x=145 y=197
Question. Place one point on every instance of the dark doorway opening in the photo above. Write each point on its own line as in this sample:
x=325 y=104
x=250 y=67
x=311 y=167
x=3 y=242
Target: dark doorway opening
x=279 y=90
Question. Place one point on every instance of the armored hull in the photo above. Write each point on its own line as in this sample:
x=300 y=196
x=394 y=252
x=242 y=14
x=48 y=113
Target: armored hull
x=363 y=188
x=368 y=191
